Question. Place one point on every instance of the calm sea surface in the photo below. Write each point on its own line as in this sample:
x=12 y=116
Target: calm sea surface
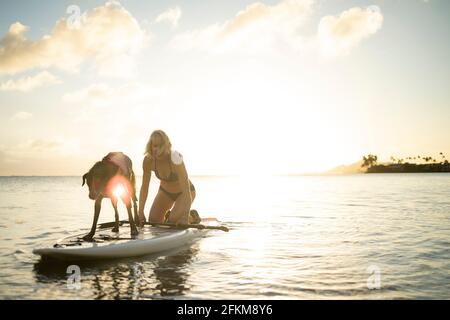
x=309 y=237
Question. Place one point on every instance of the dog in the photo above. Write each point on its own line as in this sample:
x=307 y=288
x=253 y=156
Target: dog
x=112 y=178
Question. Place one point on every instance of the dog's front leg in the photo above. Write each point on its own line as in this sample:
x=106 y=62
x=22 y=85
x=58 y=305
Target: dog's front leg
x=97 y=207
x=116 y=213
x=136 y=216
x=134 y=230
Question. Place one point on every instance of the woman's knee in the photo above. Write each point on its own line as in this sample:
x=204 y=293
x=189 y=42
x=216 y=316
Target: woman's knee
x=159 y=209
x=156 y=217
x=174 y=216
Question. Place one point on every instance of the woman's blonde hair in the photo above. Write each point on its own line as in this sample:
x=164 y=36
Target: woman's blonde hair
x=165 y=142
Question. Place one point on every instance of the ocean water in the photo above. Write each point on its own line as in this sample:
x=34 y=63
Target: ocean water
x=380 y=236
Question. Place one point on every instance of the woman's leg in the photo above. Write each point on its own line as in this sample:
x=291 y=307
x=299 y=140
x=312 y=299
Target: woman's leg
x=178 y=209
x=161 y=204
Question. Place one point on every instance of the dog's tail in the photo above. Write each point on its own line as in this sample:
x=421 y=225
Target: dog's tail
x=131 y=177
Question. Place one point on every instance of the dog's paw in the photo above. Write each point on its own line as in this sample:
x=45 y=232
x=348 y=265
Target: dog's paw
x=89 y=237
x=134 y=232
x=115 y=229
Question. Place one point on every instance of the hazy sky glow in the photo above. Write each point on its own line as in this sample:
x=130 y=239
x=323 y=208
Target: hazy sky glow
x=241 y=87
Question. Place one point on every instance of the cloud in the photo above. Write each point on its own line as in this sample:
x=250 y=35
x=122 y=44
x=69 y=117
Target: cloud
x=339 y=34
x=258 y=27
x=50 y=156
x=21 y=116
x=41 y=145
x=52 y=145
x=95 y=93
x=102 y=95
x=171 y=16
x=29 y=83
x=108 y=34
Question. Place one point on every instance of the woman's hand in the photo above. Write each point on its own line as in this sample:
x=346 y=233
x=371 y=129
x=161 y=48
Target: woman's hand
x=141 y=217
x=144 y=190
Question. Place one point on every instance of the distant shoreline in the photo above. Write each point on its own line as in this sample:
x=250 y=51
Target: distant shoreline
x=409 y=168
x=375 y=169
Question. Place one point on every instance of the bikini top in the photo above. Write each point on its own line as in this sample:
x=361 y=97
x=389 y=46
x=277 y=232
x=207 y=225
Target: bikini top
x=177 y=159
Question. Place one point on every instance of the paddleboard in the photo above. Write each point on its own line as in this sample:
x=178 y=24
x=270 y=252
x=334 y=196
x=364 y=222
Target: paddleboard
x=110 y=245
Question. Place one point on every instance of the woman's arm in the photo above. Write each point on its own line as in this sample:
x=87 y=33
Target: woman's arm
x=144 y=188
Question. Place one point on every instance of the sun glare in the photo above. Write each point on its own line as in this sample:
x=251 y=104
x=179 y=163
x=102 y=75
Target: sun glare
x=119 y=190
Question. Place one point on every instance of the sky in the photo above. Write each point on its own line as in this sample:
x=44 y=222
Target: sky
x=240 y=87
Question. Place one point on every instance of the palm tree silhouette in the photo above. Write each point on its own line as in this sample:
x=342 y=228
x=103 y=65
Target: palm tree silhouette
x=369 y=161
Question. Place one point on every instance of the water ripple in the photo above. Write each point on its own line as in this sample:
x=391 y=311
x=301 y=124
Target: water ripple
x=319 y=239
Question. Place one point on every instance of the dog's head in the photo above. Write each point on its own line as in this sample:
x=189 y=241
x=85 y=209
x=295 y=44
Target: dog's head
x=97 y=178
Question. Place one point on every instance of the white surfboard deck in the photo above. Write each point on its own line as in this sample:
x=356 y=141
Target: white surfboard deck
x=110 y=245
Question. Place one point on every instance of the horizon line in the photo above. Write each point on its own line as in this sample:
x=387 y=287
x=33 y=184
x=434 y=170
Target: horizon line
x=194 y=175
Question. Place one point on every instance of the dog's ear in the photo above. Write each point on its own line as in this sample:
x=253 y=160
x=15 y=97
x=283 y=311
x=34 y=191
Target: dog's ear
x=84 y=179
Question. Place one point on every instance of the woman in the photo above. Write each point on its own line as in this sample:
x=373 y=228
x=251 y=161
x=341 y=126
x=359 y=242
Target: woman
x=176 y=192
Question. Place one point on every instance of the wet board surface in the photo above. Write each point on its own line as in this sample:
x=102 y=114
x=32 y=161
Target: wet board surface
x=109 y=245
